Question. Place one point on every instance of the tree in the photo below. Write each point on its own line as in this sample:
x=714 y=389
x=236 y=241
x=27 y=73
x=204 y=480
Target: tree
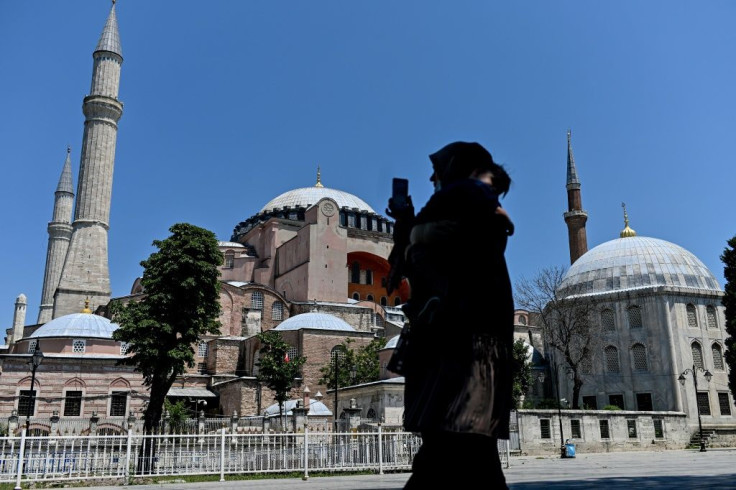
x=364 y=360
x=729 y=302
x=521 y=371
x=565 y=317
x=180 y=304
x=276 y=369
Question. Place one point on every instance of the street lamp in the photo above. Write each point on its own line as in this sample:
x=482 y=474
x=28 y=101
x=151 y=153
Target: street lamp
x=35 y=361
x=707 y=374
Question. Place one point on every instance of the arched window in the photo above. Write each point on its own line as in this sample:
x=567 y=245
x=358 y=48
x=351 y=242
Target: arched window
x=612 y=364
x=369 y=297
x=277 y=311
x=356 y=296
x=522 y=319
x=229 y=259
x=607 y=321
x=710 y=313
x=692 y=317
x=717 y=357
x=634 y=317
x=639 y=354
x=384 y=301
x=371 y=414
x=256 y=300
x=355 y=273
x=368 y=276
x=697 y=351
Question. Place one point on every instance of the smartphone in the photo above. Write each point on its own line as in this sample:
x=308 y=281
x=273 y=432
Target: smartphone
x=400 y=192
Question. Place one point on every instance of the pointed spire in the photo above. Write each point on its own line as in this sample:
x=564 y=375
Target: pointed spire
x=110 y=38
x=572 y=172
x=319 y=178
x=65 y=181
x=626 y=232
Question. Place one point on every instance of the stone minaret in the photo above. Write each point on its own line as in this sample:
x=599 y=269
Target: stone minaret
x=575 y=217
x=60 y=232
x=19 y=317
x=85 y=273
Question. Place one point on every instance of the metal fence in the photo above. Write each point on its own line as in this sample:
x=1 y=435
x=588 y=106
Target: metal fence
x=29 y=459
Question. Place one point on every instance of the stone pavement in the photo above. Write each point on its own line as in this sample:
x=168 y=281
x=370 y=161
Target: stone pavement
x=674 y=469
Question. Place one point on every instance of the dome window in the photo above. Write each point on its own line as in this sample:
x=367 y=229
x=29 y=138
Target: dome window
x=79 y=346
x=692 y=317
x=697 y=352
x=32 y=346
x=256 y=300
x=717 y=357
x=277 y=311
x=634 y=317
x=124 y=348
x=612 y=364
x=229 y=259
x=710 y=313
x=356 y=296
x=607 y=321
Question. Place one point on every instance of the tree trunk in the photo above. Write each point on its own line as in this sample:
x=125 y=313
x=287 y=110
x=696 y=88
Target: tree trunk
x=577 y=384
x=151 y=424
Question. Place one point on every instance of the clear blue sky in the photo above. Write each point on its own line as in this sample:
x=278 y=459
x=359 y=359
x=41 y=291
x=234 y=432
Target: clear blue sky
x=228 y=104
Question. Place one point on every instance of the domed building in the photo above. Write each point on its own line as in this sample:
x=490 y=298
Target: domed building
x=77 y=377
x=659 y=311
x=658 y=344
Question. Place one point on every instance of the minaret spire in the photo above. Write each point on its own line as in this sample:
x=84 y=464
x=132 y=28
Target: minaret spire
x=575 y=217
x=60 y=232
x=86 y=273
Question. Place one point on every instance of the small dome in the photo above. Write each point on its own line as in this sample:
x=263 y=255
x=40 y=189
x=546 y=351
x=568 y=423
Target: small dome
x=84 y=325
x=21 y=298
x=391 y=344
x=315 y=408
x=230 y=244
x=635 y=262
x=318 y=321
x=307 y=196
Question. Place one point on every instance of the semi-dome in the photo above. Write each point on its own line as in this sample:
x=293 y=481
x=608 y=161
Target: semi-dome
x=307 y=196
x=633 y=262
x=86 y=325
x=319 y=321
x=391 y=344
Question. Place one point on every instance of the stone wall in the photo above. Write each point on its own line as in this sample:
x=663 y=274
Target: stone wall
x=627 y=431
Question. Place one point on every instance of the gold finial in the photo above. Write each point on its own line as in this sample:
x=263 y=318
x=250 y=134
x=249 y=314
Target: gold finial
x=86 y=306
x=319 y=178
x=626 y=232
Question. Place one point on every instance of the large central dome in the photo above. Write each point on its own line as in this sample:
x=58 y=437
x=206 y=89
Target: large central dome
x=636 y=262
x=306 y=196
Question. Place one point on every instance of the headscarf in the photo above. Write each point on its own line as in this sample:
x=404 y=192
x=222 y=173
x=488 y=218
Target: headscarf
x=458 y=160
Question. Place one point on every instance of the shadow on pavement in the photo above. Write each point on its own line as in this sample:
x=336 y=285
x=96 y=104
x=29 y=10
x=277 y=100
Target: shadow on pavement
x=661 y=482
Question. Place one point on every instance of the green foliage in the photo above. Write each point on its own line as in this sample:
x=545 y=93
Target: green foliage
x=521 y=370
x=178 y=413
x=612 y=407
x=180 y=304
x=729 y=303
x=548 y=403
x=364 y=360
x=275 y=369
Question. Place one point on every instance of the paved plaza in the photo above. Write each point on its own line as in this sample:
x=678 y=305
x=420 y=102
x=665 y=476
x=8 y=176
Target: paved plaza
x=676 y=469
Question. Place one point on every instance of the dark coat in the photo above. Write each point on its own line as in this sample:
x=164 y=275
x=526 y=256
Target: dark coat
x=458 y=375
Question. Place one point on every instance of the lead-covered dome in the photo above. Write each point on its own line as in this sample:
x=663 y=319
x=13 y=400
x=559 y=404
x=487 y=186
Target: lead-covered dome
x=85 y=325
x=319 y=321
x=635 y=262
x=307 y=196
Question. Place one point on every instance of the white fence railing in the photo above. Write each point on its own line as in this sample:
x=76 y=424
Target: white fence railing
x=29 y=459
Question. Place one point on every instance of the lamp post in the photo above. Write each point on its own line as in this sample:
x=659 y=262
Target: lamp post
x=559 y=403
x=35 y=361
x=707 y=374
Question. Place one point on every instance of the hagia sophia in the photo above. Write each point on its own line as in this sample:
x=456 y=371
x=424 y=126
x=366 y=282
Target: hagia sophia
x=312 y=265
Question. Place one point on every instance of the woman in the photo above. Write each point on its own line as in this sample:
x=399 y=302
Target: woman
x=457 y=375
